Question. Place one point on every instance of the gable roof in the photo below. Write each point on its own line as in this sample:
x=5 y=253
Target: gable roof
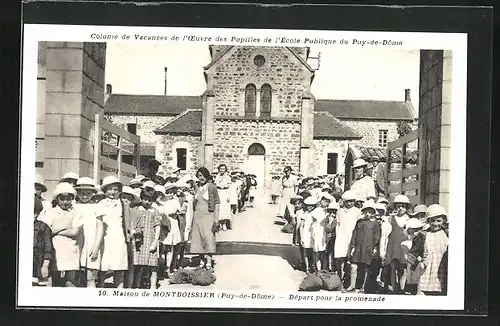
x=150 y=104
x=366 y=109
x=327 y=126
x=145 y=150
x=228 y=48
x=187 y=123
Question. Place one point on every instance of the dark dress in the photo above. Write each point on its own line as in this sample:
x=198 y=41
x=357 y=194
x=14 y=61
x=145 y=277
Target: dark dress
x=42 y=247
x=365 y=237
x=394 y=249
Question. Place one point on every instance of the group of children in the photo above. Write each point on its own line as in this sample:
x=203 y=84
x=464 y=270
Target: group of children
x=88 y=231
x=374 y=246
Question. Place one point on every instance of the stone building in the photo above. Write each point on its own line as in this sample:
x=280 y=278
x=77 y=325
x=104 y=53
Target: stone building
x=70 y=91
x=257 y=115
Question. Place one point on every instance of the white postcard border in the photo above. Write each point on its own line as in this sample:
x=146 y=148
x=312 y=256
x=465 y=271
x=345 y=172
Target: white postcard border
x=29 y=296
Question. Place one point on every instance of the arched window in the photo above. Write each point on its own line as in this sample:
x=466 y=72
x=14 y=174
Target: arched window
x=265 y=101
x=250 y=100
x=256 y=149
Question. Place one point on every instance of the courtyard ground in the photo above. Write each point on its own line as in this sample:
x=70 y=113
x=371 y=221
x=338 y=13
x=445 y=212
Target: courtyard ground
x=255 y=254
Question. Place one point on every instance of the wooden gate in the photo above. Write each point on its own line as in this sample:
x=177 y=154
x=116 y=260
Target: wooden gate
x=116 y=151
x=404 y=179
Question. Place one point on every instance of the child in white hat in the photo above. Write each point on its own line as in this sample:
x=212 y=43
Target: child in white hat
x=347 y=217
x=146 y=251
x=331 y=213
x=92 y=230
x=435 y=261
x=170 y=207
x=117 y=250
x=364 y=245
x=395 y=256
x=306 y=232
x=414 y=251
x=40 y=188
x=63 y=219
x=319 y=234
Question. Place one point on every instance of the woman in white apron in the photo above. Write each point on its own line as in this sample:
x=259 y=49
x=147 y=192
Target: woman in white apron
x=223 y=183
x=288 y=184
x=363 y=184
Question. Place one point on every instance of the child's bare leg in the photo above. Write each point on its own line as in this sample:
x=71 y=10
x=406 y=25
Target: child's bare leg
x=154 y=279
x=402 y=281
x=119 y=279
x=169 y=256
x=367 y=268
x=354 y=276
x=91 y=278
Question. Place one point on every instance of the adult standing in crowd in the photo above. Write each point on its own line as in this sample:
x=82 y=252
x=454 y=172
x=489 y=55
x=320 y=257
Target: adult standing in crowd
x=379 y=174
x=363 y=184
x=223 y=182
x=288 y=184
x=206 y=218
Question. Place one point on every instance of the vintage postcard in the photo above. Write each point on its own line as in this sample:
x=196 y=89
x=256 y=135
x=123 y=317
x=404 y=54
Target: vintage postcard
x=240 y=168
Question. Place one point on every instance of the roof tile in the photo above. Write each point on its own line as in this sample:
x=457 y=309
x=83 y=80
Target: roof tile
x=151 y=104
x=366 y=109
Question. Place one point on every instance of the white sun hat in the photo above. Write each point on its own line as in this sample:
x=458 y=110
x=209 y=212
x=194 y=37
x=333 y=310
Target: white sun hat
x=401 y=199
x=70 y=175
x=39 y=180
x=414 y=223
x=380 y=206
x=382 y=200
x=326 y=186
x=435 y=210
x=128 y=190
x=359 y=163
x=333 y=206
x=160 y=189
x=368 y=204
x=64 y=188
x=348 y=195
x=325 y=195
x=310 y=200
x=85 y=183
x=135 y=181
x=149 y=184
x=110 y=180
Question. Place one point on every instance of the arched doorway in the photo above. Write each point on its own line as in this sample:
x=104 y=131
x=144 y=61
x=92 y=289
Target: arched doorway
x=256 y=163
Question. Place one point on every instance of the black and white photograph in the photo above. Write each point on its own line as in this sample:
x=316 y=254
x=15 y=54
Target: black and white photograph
x=178 y=167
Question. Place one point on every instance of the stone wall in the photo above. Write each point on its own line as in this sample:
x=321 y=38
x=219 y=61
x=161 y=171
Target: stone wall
x=324 y=146
x=74 y=92
x=282 y=70
x=435 y=124
x=281 y=141
x=369 y=129
x=146 y=125
x=166 y=152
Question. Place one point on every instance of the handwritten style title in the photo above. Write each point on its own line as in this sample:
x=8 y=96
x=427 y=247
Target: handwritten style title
x=245 y=40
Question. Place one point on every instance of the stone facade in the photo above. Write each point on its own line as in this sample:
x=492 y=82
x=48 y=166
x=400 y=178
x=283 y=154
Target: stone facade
x=166 y=152
x=146 y=125
x=280 y=140
x=74 y=93
x=435 y=124
x=324 y=146
x=369 y=129
x=286 y=75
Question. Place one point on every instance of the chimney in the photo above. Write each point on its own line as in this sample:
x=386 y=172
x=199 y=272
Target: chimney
x=108 y=92
x=165 y=81
x=407 y=95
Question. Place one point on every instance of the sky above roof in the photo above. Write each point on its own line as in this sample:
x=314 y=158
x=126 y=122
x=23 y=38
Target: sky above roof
x=344 y=73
